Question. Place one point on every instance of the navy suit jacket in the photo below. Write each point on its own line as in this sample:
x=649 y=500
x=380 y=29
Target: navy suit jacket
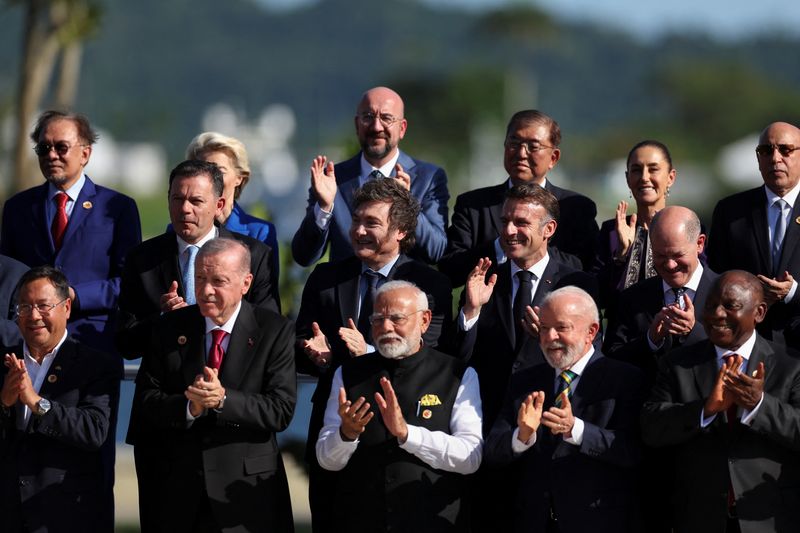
x=490 y=345
x=739 y=239
x=235 y=448
x=591 y=487
x=56 y=465
x=10 y=272
x=626 y=337
x=428 y=186
x=103 y=227
x=761 y=461
x=476 y=224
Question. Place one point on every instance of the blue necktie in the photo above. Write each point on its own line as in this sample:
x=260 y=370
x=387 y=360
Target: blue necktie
x=188 y=275
x=778 y=235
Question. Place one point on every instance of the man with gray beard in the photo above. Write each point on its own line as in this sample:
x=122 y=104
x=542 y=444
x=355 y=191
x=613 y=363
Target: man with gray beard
x=406 y=468
x=568 y=428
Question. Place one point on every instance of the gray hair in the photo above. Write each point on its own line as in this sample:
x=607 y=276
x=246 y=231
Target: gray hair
x=222 y=245
x=586 y=305
x=422 y=298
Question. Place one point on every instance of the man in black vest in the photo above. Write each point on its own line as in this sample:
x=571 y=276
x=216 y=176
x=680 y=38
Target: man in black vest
x=405 y=470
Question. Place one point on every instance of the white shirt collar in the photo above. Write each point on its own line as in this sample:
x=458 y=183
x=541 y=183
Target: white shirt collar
x=693 y=282
x=386 y=170
x=542 y=185
x=385 y=269
x=537 y=269
x=745 y=350
x=183 y=245
x=580 y=365
x=228 y=325
x=27 y=352
x=72 y=192
x=790 y=197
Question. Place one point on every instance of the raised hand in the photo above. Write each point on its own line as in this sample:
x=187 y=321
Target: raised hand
x=478 y=290
x=529 y=415
x=317 y=347
x=721 y=398
x=560 y=420
x=355 y=416
x=402 y=176
x=626 y=231
x=745 y=390
x=323 y=182
x=353 y=338
x=171 y=300
x=390 y=411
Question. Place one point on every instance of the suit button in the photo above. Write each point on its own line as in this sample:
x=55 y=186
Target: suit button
x=24 y=483
x=516 y=365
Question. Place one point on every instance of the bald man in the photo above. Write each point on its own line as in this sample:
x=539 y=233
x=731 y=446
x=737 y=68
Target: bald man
x=759 y=230
x=380 y=126
x=729 y=407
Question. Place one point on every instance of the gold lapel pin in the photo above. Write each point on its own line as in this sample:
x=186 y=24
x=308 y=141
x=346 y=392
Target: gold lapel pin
x=52 y=378
x=182 y=340
x=87 y=204
x=797 y=220
x=58 y=367
x=426 y=414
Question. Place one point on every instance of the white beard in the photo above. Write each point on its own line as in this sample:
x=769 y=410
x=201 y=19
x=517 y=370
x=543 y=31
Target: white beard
x=396 y=350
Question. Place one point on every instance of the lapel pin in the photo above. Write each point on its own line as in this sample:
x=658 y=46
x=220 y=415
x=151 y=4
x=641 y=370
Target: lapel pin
x=182 y=340
x=52 y=378
x=58 y=367
x=548 y=281
x=250 y=342
x=426 y=414
x=797 y=220
x=87 y=204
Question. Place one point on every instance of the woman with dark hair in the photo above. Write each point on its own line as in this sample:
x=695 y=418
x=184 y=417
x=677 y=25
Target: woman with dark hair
x=624 y=256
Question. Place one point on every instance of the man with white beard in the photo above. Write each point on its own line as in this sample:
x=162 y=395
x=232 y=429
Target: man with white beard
x=404 y=470
x=570 y=428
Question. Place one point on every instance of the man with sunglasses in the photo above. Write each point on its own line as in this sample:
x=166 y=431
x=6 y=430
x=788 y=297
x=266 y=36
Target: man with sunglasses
x=759 y=231
x=333 y=325
x=58 y=398
x=380 y=126
x=402 y=427
x=83 y=229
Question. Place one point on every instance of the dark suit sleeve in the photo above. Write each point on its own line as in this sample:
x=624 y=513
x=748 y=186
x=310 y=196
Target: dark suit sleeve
x=135 y=315
x=309 y=242
x=718 y=245
x=497 y=449
x=432 y=221
x=264 y=289
x=272 y=408
x=778 y=417
x=10 y=272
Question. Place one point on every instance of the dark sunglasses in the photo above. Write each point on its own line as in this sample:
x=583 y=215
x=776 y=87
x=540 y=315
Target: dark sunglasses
x=783 y=149
x=61 y=148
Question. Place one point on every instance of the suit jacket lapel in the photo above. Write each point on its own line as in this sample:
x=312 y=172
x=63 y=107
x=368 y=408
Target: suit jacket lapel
x=496 y=206
x=758 y=221
x=61 y=365
x=790 y=240
x=587 y=385
x=698 y=333
x=347 y=289
x=192 y=350
x=244 y=338
x=39 y=217
x=80 y=211
x=169 y=270
x=545 y=285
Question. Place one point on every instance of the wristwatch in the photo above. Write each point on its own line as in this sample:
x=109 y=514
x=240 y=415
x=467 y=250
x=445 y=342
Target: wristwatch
x=42 y=406
x=221 y=404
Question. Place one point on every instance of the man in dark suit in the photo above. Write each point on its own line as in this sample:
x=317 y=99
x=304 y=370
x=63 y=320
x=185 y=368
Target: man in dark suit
x=11 y=271
x=158 y=275
x=57 y=399
x=380 y=126
x=759 y=230
x=531 y=151
x=332 y=324
x=662 y=313
x=406 y=469
x=731 y=408
x=215 y=386
x=568 y=429
x=82 y=229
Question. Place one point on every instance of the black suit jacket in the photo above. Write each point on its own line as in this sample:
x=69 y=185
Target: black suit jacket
x=235 y=448
x=489 y=346
x=55 y=466
x=626 y=337
x=10 y=272
x=476 y=224
x=740 y=240
x=761 y=462
x=591 y=487
x=330 y=297
x=152 y=266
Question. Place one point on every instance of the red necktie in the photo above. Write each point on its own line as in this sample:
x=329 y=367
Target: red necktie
x=59 y=226
x=217 y=353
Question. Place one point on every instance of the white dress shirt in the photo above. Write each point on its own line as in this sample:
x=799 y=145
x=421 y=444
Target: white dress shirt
x=37 y=372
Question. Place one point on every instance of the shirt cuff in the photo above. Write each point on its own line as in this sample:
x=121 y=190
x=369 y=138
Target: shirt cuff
x=499 y=254
x=653 y=346
x=465 y=324
x=577 y=433
x=322 y=218
x=518 y=446
x=370 y=349
x=705 y=422
x=791 y=292
x=189 y=417
x=748 y=416
x=413 y=439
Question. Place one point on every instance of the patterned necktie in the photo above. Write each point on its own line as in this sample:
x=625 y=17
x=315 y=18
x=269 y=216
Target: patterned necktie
x=217 y=353
x=679 y=292
x=364 y=326
x=60 y=221
x=522 y=300
x=778 y=234
x=376 y=174
x=563 y=386
x=188 y=275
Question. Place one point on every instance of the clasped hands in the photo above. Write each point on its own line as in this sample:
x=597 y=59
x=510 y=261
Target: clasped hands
x=672 y=320
x=531 y=415
x=734 y=387
x=318 y=349
x=17 y=385
x=356 y=415
x=206 y=392
x=776 y=289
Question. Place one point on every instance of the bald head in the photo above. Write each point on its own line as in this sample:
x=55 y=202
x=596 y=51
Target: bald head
x=380 y=125
x=383 y=95
x=778 y=157
x=674 y=221
x=677 y=243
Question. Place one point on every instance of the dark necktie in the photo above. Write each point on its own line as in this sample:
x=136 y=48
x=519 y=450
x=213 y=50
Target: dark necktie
x=521 y=301
x=376 y=174
x=679 y=292
x=60 y=221
x=563 y=387
x=217 y=353
x=778 y=235
x=364 y=326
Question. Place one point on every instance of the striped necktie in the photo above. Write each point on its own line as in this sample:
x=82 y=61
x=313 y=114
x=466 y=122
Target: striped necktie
x=563 y=387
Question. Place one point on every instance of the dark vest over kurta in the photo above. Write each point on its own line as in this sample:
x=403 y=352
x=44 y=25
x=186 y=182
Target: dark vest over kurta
x=393 y=489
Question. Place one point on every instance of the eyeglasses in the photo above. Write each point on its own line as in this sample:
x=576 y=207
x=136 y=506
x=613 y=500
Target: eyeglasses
x=387 y=120
x=398 y=319
x=530 y=146
x=769 y=149
x=44 y=309
x=61 y=148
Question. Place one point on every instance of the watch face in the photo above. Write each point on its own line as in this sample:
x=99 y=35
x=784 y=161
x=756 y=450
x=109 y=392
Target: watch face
x=43 y=406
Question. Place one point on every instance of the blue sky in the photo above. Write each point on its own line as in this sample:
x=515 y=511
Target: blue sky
x=647 y=19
